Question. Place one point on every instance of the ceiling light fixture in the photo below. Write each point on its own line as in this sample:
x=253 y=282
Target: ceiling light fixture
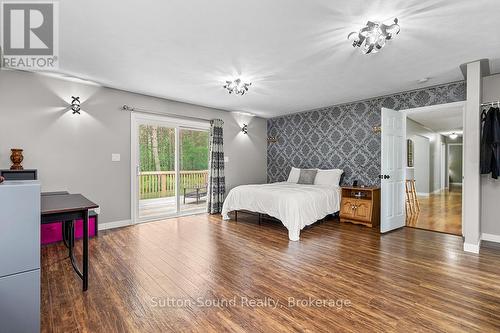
x=237 y=87
x=453 y=136
x=372 y=37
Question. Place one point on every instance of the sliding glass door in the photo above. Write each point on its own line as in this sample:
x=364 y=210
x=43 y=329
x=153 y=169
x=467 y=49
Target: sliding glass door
x=193 y=165
x=171 y=167
x=157 y=176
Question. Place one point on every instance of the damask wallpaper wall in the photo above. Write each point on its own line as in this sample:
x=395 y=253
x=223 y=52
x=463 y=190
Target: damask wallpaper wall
x=342 y=136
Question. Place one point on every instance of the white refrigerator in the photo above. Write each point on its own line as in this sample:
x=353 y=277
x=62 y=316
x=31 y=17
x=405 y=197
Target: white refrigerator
x=20 y=256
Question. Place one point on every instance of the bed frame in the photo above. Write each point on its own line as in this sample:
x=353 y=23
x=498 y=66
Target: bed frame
x=260 y=215
x=273 y=218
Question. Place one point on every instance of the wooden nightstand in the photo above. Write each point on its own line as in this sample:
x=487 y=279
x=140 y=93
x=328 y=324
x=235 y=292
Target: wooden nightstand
x=360 y=205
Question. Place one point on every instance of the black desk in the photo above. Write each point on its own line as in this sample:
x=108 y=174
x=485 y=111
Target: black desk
x=70 y=207
x=65 y=224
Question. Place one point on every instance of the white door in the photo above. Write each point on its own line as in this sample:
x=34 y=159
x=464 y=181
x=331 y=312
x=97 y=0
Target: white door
x=393 y=171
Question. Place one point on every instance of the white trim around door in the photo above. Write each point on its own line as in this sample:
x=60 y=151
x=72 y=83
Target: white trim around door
x=137 y=119
x=466 y=155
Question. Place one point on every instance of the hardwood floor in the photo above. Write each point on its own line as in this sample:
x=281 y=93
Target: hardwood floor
x=407 y=280
x=440 y=212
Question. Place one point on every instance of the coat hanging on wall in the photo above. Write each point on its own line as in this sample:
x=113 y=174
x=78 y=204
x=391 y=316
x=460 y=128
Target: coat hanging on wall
x=490 y=142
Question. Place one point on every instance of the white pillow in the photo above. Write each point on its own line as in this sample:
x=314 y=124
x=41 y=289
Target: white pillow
x=294 y=175
x=328 y=177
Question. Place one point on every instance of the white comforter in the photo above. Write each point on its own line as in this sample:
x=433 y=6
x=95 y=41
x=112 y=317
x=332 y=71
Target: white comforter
x=295 y=205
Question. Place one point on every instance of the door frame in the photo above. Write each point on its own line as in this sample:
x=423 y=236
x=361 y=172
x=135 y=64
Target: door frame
x=138 y=118
x=436 y=108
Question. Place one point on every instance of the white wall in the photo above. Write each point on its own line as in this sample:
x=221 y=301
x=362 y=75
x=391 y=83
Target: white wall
x=435 y=179
x=449 y=142
x=421 y=170
x=73 y=152
x=455 y=163
x=490 y=188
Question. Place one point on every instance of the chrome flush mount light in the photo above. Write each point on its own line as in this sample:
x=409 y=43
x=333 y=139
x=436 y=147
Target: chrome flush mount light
x=372 y=37
x=453 y=136
x=75 y=105
x=237 y=87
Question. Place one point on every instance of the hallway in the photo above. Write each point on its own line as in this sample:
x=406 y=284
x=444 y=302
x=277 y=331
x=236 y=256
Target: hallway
x=440 y=212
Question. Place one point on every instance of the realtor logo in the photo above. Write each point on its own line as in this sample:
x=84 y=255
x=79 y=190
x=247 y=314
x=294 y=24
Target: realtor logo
x=29 y=35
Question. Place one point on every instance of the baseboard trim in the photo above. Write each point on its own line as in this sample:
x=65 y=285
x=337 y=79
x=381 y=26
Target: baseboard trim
x=490 y=238
x=472 y=248
x=422 y=194
x=115 y=224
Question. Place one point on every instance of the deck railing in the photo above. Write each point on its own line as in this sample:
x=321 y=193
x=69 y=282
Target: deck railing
x=161 y=184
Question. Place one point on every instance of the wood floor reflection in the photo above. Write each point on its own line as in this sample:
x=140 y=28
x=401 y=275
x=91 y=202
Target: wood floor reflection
x=439 y=212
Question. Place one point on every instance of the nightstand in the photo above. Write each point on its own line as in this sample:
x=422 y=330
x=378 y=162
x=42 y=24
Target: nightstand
x=360 y=205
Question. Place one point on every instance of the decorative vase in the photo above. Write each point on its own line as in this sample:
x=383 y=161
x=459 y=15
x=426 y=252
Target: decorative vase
x=17 y=158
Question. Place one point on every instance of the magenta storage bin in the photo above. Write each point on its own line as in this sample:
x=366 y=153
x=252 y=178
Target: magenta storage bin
x=52 y=232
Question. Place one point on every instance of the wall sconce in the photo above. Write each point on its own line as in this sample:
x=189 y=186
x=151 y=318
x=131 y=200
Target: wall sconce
x=75 y=105
x=244 y=129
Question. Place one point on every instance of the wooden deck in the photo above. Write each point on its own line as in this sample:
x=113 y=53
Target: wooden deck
x=153 y=208
x=409 y=280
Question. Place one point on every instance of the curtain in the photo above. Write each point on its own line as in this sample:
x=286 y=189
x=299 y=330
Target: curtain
x=216 y=179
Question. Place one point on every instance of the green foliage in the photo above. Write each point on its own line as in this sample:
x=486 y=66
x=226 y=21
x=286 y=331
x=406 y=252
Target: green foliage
x=193 y=149
x=193 y=157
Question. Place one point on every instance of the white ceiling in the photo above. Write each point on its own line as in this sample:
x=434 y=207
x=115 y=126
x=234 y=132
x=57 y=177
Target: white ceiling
x=295 y=52
x=445 y=120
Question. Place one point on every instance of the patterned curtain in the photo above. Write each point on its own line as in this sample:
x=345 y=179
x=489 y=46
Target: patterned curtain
x=216 y=179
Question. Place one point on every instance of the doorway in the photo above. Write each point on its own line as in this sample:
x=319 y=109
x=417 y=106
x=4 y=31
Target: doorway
x=169 y=167
x=432 y=175
x=439 y=201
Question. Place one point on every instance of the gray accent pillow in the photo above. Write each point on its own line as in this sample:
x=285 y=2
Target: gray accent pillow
x=307 y=176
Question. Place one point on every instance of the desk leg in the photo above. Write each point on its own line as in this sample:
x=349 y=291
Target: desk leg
x=96 y=225
x=69 y=241
x=65 y=233
x=85 y=250
x=71 y=235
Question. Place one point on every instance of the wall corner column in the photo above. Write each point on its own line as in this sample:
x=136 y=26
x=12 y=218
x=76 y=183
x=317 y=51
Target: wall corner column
x=472 y=181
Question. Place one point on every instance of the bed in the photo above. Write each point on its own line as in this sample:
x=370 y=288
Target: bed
x=295 y=205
